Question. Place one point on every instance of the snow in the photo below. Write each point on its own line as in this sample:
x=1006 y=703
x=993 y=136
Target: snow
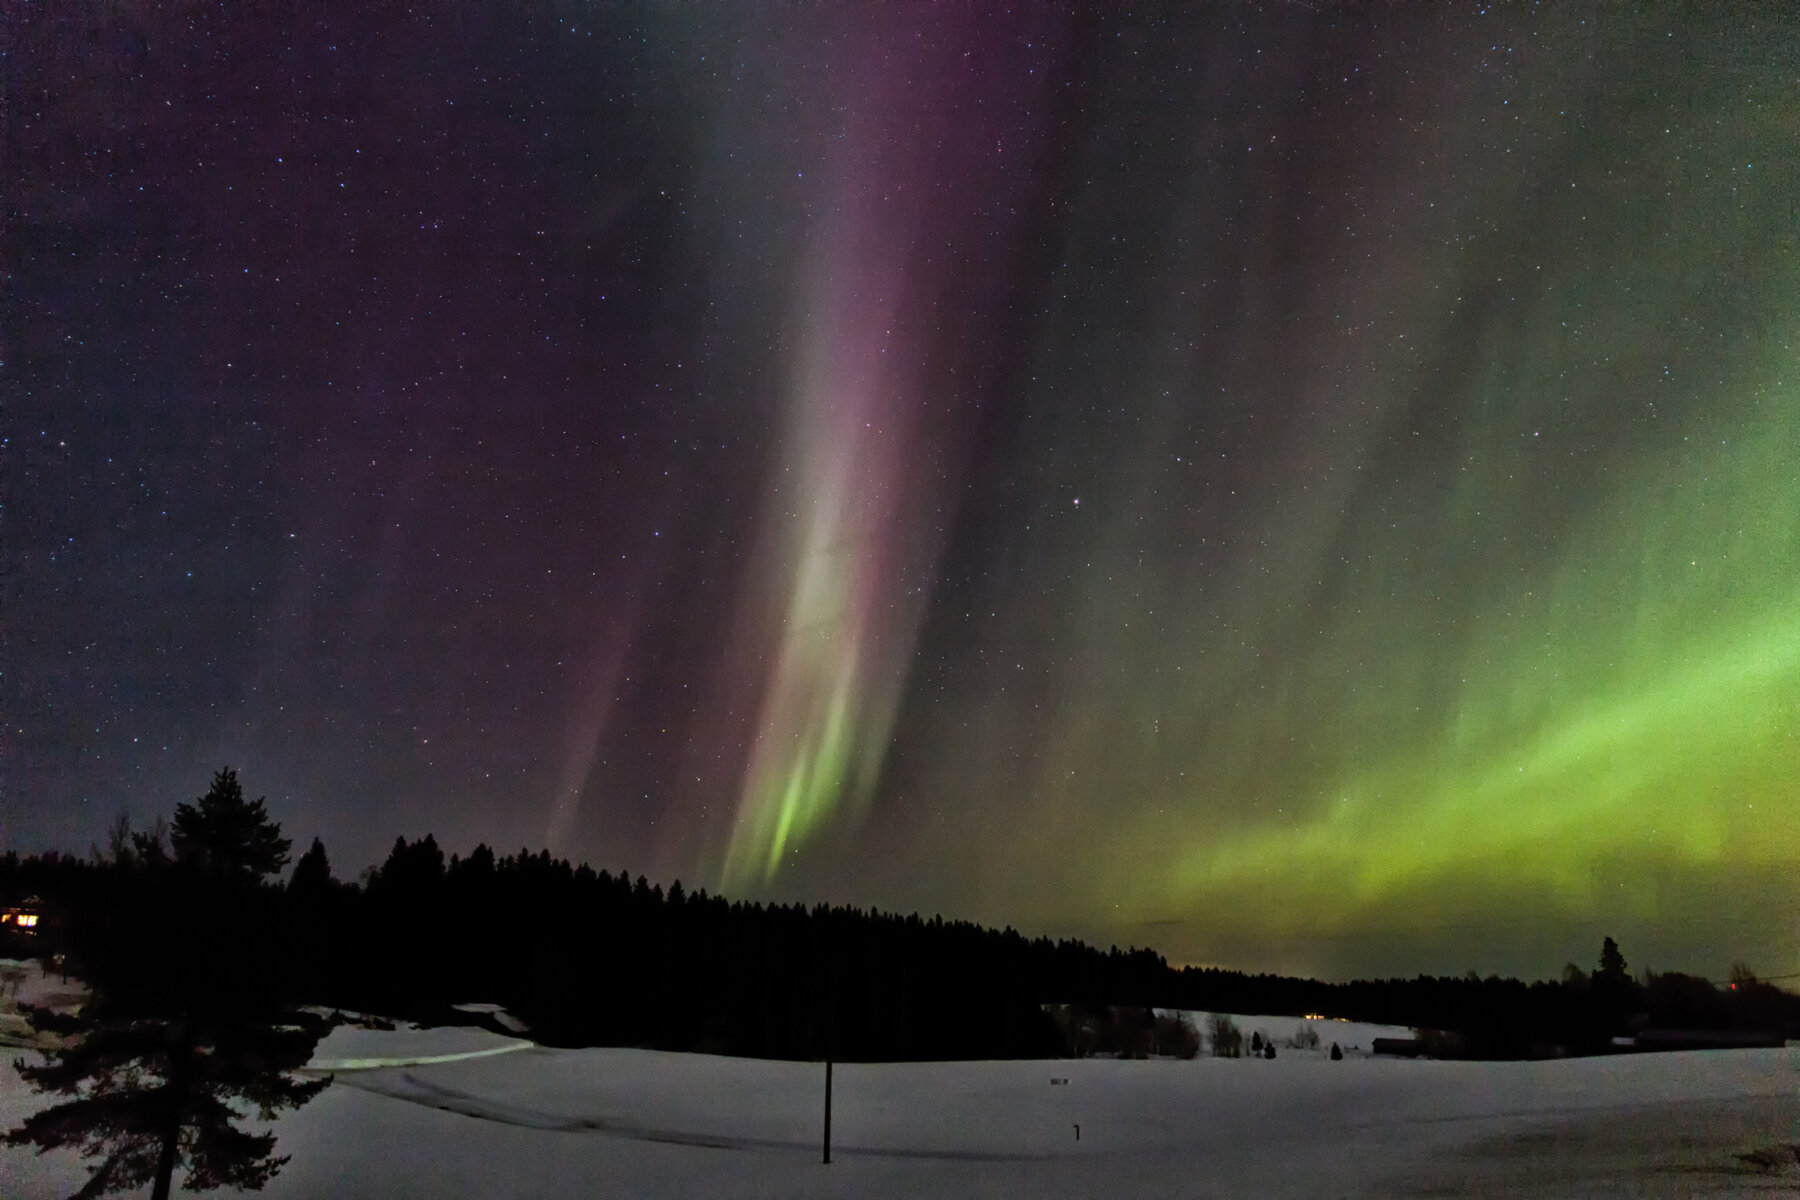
x=1352 y=1037
x=348 y=1048
x=40 y=986
x=25 y=981
x=473 y=1114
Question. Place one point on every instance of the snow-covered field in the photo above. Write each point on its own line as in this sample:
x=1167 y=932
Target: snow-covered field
x=465 y=1113
x=26 y=982
x=1352 y=1037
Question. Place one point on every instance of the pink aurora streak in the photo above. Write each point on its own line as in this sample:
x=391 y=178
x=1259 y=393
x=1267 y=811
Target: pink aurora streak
x=894 y=289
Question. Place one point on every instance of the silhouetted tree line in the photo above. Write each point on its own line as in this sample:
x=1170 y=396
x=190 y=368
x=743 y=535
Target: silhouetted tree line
x=588 y=957
x=1508 y=1018
x=1125 y=1031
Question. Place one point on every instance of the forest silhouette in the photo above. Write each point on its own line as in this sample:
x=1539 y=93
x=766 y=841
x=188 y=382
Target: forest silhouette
x=589 y=957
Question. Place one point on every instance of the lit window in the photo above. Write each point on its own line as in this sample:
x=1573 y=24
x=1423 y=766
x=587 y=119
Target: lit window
x=27 y=920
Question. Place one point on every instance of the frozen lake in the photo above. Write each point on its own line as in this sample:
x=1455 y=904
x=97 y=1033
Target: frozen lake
x=464 y=1113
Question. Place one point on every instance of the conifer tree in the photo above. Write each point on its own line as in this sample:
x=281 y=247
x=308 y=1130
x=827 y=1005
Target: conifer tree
x=312 y=874
x=185 y=1026
x=227 y=836
x=1612 y=989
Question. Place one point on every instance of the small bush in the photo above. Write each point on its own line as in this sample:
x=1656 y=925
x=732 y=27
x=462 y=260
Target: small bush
x=1175 y=1035
x=1226 y=1039
x=1084 y=1029
x=1135 y=1030
x=12 y=978
x=1113 y=1031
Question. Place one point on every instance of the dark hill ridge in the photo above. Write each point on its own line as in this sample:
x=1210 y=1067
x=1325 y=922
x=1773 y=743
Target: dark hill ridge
x=587 y=957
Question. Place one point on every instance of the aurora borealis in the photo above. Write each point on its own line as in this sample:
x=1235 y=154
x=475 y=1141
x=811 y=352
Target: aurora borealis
x=1298 y=486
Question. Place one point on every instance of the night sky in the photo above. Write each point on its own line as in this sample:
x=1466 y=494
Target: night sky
x=1299 y=486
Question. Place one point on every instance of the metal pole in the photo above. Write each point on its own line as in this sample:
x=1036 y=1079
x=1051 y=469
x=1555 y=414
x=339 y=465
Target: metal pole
x=828 y=1110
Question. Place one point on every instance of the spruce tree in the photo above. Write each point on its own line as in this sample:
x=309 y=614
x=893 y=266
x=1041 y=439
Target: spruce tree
x=1612 y=990
x=186 y=1024
x=312 y=874
x=1612 y=964
x=227 y=836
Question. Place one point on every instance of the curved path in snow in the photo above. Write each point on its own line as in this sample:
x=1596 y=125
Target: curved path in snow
x=322 y=1065
x=413 y=1089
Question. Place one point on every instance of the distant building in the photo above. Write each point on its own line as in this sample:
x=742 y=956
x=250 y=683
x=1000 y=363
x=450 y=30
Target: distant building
x=1398 y=1047
x=25 y=920
x=29 y=929
x=1425 y=1043
x=1708 y=1039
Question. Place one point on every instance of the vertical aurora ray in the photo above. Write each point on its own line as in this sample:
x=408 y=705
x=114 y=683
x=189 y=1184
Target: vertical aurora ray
x=588 y=722
x=841 y=655
x=898 y=275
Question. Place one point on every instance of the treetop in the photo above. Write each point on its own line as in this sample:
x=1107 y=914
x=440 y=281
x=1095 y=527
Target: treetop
x=225 y=835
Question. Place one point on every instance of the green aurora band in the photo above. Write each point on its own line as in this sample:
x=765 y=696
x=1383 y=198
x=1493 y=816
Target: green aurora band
x=1439 y=587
